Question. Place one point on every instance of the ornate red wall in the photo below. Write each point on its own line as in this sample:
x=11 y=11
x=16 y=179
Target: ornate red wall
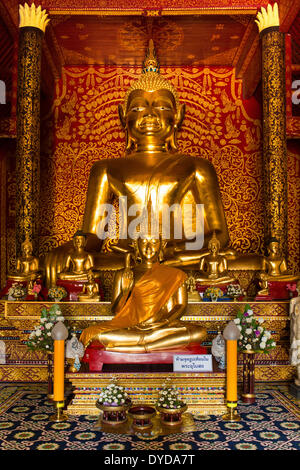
x=83 y=126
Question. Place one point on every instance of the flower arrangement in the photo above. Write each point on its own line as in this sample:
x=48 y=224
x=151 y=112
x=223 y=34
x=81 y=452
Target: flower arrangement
x=168 y=398
x=35 y=289
x=113 y=395
x=17 y=290
x=213 y=292
x=40 y=338
x=253 y=336
x=57 y=293
x=234 y=290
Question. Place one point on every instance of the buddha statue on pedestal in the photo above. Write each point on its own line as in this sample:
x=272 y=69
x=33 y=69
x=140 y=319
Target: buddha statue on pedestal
x=78 y=262
x=213 y=266
x=152 y=167
x=90 y=290
x=274 y=268
x=27 y=267
x=148 y=302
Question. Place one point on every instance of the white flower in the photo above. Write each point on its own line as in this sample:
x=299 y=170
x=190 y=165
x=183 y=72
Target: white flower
x=60 y=318
x=250 y=312
x=260 y=320
x=264 y=339
x=248 y=331
x=248 y=320
x=48 y=326
x=248 y=346
x=49 y=334
x=237 y=321
x=262 y=345
x=239 y=327
x=38 y=333
x=260 y=329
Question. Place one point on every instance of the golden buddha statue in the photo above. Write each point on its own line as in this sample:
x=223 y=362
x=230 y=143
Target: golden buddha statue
x=27 y=267
x=148 y=302
x=193 y=294
x=274 y=268
x=152 y=167
x=90 y=290
x=213 y=266
x=78 y=262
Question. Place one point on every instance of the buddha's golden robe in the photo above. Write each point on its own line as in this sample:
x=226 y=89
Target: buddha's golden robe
x=145 y=304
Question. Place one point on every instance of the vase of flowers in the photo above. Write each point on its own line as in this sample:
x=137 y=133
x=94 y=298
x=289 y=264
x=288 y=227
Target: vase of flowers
x=234 y=291
x=170 y=406
x=114 y=402
x=213 y=293
x=40 y=338
x=17 y=291
x=56 y=293
x=254 y=339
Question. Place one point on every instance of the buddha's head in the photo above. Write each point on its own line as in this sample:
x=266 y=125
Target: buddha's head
x=79 y=239
x=274 y=246
x=149 y=248
x=214 y=244
x=27 y=248
x=151 y=114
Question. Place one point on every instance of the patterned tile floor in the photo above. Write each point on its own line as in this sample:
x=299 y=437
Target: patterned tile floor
x=272 y=423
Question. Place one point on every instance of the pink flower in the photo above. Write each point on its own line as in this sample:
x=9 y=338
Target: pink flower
x=36 y=288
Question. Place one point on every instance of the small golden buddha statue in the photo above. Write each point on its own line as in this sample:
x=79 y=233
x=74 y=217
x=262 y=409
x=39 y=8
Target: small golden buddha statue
x=78 y=261
x=193 y=294
x=274 y=268
x=148 y=302
x=213 y=266
x=27 y=267
x=151 y=116
x=90 y=290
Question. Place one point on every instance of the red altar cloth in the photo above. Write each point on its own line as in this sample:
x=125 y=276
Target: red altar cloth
x=73 y=288
x=96 y=356
x=279 y=290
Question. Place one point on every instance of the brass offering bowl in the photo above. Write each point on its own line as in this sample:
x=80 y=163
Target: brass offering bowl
x=142 y=415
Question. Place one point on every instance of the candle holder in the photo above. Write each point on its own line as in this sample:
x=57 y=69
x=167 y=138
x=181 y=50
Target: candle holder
x=59 y=416
x=232 y=414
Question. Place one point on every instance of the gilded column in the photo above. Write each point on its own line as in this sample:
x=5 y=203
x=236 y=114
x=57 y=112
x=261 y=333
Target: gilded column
x=274 y=125
x=33 y=22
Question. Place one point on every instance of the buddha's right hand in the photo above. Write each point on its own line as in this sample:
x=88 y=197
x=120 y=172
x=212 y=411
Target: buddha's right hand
x=127 y=280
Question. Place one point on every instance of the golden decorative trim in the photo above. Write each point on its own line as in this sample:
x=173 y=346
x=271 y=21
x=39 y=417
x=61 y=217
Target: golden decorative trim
x=267 y=18
x=163 y=12
x=33 y=16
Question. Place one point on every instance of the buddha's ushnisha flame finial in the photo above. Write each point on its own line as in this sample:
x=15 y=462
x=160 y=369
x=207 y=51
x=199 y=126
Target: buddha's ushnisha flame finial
x=151 y=63
x=151 y=79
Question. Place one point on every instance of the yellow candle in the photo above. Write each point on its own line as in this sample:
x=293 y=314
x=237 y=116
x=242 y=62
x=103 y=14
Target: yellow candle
x=231 y=378
x=59 y=370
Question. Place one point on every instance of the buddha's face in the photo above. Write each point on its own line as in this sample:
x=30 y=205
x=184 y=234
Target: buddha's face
x=214 y=247
x=150 y=115
x=149 y=248
x=79 y=241
x=274 y=247
x=27 y=249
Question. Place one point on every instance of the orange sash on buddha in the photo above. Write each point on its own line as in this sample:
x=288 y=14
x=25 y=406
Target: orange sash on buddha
x=150 y=293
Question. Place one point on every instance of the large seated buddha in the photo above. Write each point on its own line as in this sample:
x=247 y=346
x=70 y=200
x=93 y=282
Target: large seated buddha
x=148 y=302
x=151 y=169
